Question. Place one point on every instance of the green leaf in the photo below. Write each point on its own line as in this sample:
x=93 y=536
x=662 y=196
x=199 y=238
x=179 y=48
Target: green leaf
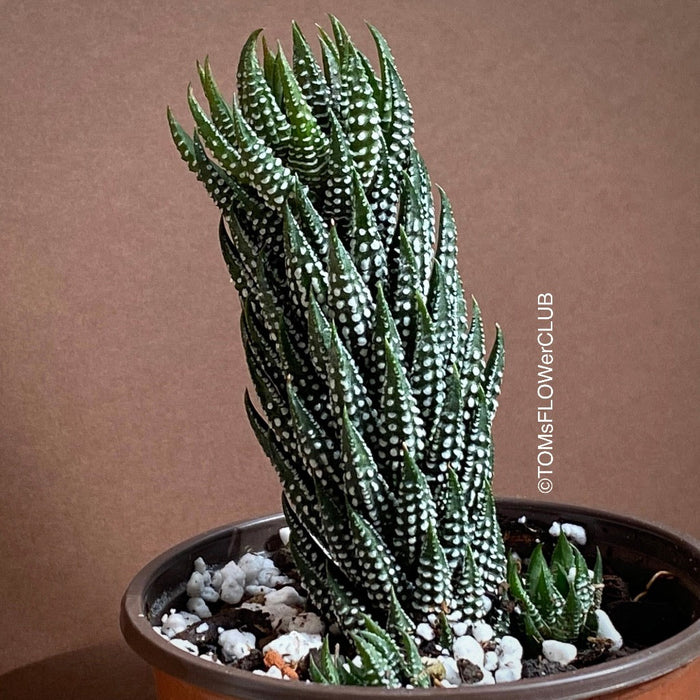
x=364 y=486
x=308 y=146
x=374 y=559
x=415 y=514
x=305 y=272
x=366 y=247
x=348 y=609
x=325 y=671
x=446 y=443
x=183 y=142
x=346 y=387
x=359 y=117
x=398 y=622
x=258 y=104
x=219 y=109
x=316 y=447
x=468 y=587
x=395 y=108
x=418 y=218
x=349 y=301
x=398 y=424
x=535 y=625
x=493 y=375
x=432 y=583
x=310 y=78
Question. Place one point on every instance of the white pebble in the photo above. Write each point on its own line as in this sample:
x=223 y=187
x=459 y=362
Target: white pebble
x=287 y=596
x=281 y=615
x=468 y=648
x=251 y=565
x=575 y=533
x=284 y=533
x=294 y=646
x=232 y=583
x=491 y=661
x=510 y=646
x=507 y=675
x=559 y=652
x=236 y=644
x=257 y=590
x=201 y=629
x=185 y=646
x=272 y=672
x=198 y=607
x=200 y=565
x=177 y=622
x=607 y=630
x=451 y=669
x=425 y=631
x=308 y=622
x=195 y=585
x=217 y=579
x=522 y=519
x=459 y=629
x=482 y=632
x=488 y=679
x=211 y=656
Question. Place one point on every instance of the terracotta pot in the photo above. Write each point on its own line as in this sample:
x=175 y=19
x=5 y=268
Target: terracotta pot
x=669 y=669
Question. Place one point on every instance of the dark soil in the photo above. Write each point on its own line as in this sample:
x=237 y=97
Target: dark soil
x=650 y=618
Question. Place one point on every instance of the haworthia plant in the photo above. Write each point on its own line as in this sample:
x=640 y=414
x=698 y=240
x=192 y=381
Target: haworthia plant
x=559 y=600
x=375 y=394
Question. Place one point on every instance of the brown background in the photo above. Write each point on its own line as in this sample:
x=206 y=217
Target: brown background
x=564 y=132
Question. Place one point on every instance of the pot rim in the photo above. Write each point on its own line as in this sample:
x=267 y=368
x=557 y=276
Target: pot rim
x=617 y=674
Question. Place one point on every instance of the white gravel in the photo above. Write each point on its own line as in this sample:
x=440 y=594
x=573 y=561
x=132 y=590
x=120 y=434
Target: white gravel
x=559 y=652
x=236 y=644
x=468 y=648
x=294 y=646
x=576 y=533
x=607 y=630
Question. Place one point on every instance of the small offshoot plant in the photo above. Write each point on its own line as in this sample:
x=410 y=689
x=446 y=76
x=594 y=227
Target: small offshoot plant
x=375 y=391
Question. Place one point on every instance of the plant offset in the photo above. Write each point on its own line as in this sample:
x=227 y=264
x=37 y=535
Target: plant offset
x=376 y=389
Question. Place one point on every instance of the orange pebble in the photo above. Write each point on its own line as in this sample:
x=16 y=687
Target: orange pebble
x=274 y=658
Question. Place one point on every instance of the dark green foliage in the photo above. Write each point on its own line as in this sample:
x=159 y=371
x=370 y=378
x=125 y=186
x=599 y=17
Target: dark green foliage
x=559 y=600
x=375 y=392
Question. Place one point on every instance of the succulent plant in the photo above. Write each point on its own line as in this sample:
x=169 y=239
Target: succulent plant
x=376 y=396
x=559 y=600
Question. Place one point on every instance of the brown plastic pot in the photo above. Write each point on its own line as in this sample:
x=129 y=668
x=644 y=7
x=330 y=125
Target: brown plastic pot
x=636 y=549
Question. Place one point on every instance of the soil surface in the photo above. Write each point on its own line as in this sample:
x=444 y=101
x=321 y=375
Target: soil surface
x=644 y=617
